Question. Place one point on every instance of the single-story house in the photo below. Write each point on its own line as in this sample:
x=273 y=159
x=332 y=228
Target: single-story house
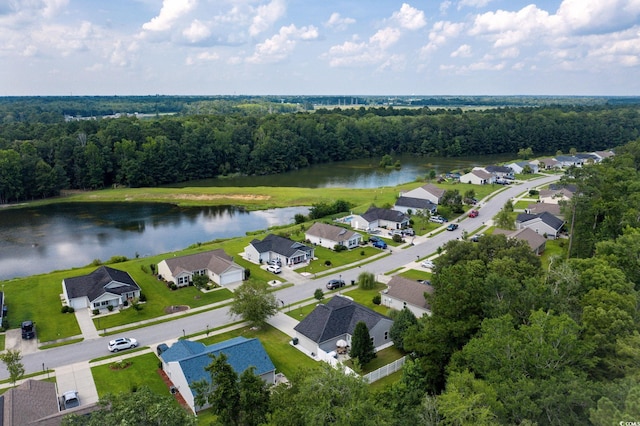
x=215 y=264
x=569 y=160
x=553 y=196
x=519 y=166
x=477 y=177
x=603 y=154
x=405 y=293
x=336 y=320
x=588 y=157
x=185 y=362
x=101 y=288
x=274 y=247
x=426 y=192
x=543 y=224
x=329 y=236
x=537 y=208
x=404 y=204
x=536 y=241
x=35 y=402
x=376 y=217
x=501 y=172
x=547 y=163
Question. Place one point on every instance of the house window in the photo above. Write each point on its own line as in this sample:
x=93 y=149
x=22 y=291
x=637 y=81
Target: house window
x=386 y=335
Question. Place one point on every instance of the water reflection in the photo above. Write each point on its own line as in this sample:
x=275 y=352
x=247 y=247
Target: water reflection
x=41 y=239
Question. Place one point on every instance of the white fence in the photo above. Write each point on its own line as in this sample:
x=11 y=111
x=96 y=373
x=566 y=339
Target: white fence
x=385 y=370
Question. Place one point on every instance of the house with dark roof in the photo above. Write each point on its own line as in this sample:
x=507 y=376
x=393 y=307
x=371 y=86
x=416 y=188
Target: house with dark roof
x=101 y=288
x=404 y=204
x=537 y=208
x=329 y=236
x=275 y=247
x=403 y=293
x=544 y=224
x=536 y=242
x=185 y=362
x=569 y=160
x=500 y=172
x=215 y=264
x=336 y=320
x=426 y=192
x=376 y=217
x=477 y=177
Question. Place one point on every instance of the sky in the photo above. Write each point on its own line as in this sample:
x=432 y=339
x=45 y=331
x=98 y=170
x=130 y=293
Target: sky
x=320 y=47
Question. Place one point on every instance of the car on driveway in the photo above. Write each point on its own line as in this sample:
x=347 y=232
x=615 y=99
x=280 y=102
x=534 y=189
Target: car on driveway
x=476 y=238
x=333 y=284
x=473 y=213
x=70 y=399
x=274 y=268
x=452 y=227
x=380 y=244
x=427 y=264
x=122 y=343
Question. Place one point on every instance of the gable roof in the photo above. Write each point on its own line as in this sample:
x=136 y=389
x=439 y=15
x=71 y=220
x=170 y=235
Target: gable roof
x=481 y=174
x=409 y=291
x=537 y=208
x=280 y=245
x=531 y=237
x=337 y=317
x=330 y=232
x=555 y=193
x=416 y=203
x=434 y=190
x=498 y=169
x=558 y=186
x=93 y=285
x=30 y=401
x=241 y=353
x=216 y=261
x=546 y=217
x=385 y=214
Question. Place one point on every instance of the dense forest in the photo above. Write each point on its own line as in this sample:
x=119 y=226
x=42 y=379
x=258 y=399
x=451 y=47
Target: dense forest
x=38 y=159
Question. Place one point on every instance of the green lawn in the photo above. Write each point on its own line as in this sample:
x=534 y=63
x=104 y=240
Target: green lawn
x=416 y=274
x=554 y=248
x=522 y=204
x=385 y=382
x=383 y=357
x=142 y=371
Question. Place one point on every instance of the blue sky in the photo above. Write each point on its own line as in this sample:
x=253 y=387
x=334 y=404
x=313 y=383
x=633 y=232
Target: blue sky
x=326 y=47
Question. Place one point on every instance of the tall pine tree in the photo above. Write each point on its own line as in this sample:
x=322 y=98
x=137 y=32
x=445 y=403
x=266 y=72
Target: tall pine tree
x=361 y=344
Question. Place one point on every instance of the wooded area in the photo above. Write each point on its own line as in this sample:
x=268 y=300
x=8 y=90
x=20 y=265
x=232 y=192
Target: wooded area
x=38 y=159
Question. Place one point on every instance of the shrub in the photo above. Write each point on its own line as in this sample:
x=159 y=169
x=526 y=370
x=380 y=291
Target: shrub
x=117 y=259
x=110 y=308
x=397 y=238
x=377 y=299
x=96 y=311
x=144 y=268
x=318 y=294
x=96 y=262
x=366 y=281
x=173 y=286
x=327 y=262
x=361 y=252
x=125 y=303
x=339 y=247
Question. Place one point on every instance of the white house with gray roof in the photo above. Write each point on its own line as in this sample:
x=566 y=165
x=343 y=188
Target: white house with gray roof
x=403 y=293
x=477 y=177
x=274 y=247
x=215 y=264
x=404 y=204
x=329 y=236
x=376 y=217
x=101 y=288
x=426 y=192
x=544 y=224
x=336 y=320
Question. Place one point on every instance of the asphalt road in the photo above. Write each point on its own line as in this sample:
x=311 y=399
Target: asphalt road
x=154 y=334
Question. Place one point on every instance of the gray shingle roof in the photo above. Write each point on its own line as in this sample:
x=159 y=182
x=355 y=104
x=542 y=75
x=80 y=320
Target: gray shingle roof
x=385 y=214
x=279 y=245
x=337 y=317
x=241 y=353
x=434 y=190
x=416 y=203
x=498 y=169
x=545 y=217
x=531 y=237
x=93 y=284
x=216 y=261
x=29 y=402
x=409 y=291
x=330 y=232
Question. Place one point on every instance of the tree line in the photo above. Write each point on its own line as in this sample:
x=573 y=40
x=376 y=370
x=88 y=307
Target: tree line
x=38 y=159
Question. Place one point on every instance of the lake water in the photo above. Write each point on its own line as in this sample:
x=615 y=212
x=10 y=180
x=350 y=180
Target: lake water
x=61 y=236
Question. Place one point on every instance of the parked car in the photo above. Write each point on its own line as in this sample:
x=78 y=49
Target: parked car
x=122 y=343
x=408 y=232
x=274 y=268
x=333 y=284
x=473 y=213
x=70 y=399
x=427 y=264
x=276 y=262
x=28 y=330
x=380 y=244
x=452 y=227
x=436 y=219
x=476 y=238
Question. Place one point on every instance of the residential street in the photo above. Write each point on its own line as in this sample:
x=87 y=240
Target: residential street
x=94 y=347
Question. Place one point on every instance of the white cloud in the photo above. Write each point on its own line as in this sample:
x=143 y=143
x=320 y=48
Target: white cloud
x=440 y=34
x=281 y=45
x=338 y=22
x=444 y=6
x=266 y=15
x=473 y=3
x=171 y=11
x=409 y=17
x=385 y=38
x=595 y=16
x=197 y=31
x=464 y=51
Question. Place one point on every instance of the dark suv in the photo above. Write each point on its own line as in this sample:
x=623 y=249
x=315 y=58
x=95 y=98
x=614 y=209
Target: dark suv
x=28 y=330
x=333 y=284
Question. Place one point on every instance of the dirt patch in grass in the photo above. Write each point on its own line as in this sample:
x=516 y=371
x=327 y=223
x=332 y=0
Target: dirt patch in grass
x=175 y=308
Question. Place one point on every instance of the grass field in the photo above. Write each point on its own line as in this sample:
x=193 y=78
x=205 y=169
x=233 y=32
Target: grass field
x=143 y=370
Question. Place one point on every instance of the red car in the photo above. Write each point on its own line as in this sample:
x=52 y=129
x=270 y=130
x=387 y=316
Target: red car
x=473 y=213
